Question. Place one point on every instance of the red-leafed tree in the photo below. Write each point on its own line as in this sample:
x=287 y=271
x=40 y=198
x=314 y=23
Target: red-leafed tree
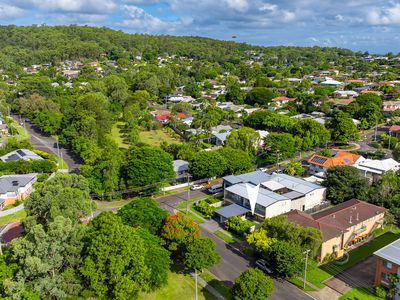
x=178 y=231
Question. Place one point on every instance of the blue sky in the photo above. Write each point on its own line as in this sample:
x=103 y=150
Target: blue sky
x=366 y=25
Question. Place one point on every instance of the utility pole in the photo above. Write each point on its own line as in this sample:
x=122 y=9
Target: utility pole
x=376 y=129
x=390 y=137
x=305 y=267
x=188 y=198
x=195 y=276
x=277 y=160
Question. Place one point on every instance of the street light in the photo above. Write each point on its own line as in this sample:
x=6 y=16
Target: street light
x=305 y=268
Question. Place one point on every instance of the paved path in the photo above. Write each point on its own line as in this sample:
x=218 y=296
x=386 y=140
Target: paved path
x=43 y=142
x=208 y=287
x=10 y=211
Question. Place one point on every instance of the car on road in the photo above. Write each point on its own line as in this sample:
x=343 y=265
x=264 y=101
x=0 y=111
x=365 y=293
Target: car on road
x=196 y=187
x=263 y=266
x=216 y=188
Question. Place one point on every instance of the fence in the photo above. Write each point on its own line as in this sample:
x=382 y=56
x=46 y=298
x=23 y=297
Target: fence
x=319 y=207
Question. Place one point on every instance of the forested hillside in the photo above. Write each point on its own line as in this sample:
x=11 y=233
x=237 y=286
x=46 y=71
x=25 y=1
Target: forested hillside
x=39 y=44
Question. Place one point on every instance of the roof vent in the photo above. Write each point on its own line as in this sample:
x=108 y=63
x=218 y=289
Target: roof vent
x=334 y=216
x=350 y=219
x=357 y=216
x=15 y=183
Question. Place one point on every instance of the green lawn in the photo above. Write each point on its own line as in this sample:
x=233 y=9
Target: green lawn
x=180 y=286
x=156 y=137
x=18 y=131
x=195 y=218
x=112 y=204
x=118 y=135
x=216 y=284
x=13 y=218
x=222 y=235
x=356 y=293
x=316 y=276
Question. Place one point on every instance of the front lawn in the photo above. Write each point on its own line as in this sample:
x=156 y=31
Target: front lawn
x=216 y=284
x=299 y=283
x=357 y=293
x=316 y=276
x=222 y=235
x=180 y=286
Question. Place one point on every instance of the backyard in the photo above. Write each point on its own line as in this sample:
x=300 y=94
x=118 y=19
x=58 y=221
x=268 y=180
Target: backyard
x=156 y=137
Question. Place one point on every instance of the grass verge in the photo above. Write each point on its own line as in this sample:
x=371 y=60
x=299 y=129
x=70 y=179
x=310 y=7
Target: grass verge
x=216 y=284
x=222 y=235
x=13 y=217
x=297 y=282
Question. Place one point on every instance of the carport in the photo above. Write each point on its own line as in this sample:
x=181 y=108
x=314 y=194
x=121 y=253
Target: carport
x=229 y=211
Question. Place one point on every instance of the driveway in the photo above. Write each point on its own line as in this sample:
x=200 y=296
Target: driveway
x=43 y=142
x=233 y=263
x=361 y=275
x=170 y=202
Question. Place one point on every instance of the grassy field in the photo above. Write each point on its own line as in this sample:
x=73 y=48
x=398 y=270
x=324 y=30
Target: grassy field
x=156 y=137
x=112 y=204
x=118 y=135
x=356 y=293
x=180 y=286
x=13 y=218
x=18 y=131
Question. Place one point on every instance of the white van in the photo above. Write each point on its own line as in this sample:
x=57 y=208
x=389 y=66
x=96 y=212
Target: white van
x=216 y=188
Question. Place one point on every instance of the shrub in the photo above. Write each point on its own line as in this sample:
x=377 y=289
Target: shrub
x=205 y=208
x=381 y=292
x=238 y=226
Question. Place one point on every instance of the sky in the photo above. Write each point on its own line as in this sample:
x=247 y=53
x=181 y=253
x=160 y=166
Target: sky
x=364 y=25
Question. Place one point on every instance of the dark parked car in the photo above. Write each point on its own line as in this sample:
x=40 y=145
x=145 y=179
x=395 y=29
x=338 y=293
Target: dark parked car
x=263 y=265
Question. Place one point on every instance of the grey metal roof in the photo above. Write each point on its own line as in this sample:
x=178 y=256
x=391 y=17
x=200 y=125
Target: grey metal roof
x=11 y=183
x=264 y=197
x=180 y=165
x=24 y=154
x=390 y=252
x=222 y=136
x=231 y=210
x=293 y=195
x=255 y=177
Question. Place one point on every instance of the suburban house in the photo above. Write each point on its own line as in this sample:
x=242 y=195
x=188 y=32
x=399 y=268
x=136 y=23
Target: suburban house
x=373 y=169
x=390 y=106
x=346 y=94
x=282 y=100
x=23 y=154
x=15 y=187
x=164 y=118
x=265 y=196
x=330 y=82
x=181 y=168
x=388 y=262
x=343 y=225
x=319 y=164
x=395 y=130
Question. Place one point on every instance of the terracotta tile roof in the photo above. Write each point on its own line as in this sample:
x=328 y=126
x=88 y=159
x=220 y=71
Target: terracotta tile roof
x=333 y=221
x=355 y=81
x=394 y=128
x=342 y=158
x=13 y=231
x=379 y=93
x=283 y=98
x=343 y=102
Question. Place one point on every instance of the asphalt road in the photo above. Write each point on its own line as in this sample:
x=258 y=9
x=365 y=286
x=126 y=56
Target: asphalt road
x=43 y=142
x=169 y=203
x=233 y=263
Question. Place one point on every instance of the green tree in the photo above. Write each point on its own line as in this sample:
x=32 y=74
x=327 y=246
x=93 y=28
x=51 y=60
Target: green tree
x=200 y=254
x=260 y=96
x=396 y=152
x=49 y=122
x=344 y=183
x=294 y=168
x=286 y=258
x=207 y=164
x=146 y=166
x=48 y=260
x=244 y=138
x=342 y=128
x=252 y=284
x=114 y=264
x=282 y=144
x=238 y=161
x=145 y=213
x=64 y=195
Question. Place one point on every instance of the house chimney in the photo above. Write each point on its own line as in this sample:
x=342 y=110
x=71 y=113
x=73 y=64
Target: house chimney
x=350 y=219
x=334 y=216
x=357 y=216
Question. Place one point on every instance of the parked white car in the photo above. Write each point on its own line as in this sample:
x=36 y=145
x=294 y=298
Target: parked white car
x=196 y=187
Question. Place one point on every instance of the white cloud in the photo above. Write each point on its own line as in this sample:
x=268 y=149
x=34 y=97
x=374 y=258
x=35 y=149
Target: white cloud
x=138 y=19
x=238 y=5
x=70 y=6
x=385 y=16
x=9 y=12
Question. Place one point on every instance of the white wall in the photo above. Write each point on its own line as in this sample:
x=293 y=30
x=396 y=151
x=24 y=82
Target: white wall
x=278 y=208
x=315 y=198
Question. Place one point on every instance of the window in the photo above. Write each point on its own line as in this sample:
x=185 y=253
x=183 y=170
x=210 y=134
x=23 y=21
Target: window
x=388 y=265
x=384 y=277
